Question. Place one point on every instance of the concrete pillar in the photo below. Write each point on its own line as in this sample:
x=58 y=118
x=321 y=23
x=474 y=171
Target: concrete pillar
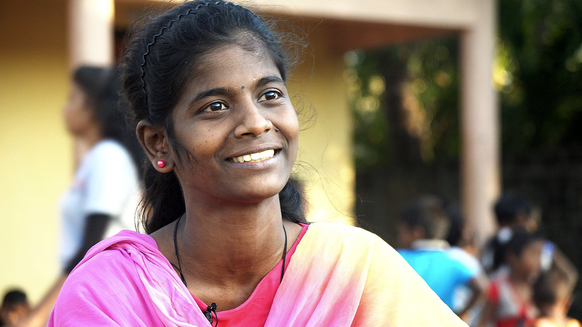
x=91 y=32
x=480 y=122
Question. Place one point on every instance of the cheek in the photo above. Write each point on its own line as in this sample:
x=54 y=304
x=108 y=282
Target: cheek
x=75 y=114
x=67 y=112
x=71 y=108
x=533 y=262
x=289 y=123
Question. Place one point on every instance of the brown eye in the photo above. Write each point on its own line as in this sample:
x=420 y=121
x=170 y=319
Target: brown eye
x=215 y=106
x=270 y=96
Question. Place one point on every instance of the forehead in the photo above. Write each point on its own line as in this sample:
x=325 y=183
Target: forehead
x=534 y=246
x=232 y=63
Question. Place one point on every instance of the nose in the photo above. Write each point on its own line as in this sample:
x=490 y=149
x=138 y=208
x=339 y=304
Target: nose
x=252 y=121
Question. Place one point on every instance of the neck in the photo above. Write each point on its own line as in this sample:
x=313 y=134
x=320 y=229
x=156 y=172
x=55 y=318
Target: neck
x=239 y=243
x=555 y=313
x=90 y=137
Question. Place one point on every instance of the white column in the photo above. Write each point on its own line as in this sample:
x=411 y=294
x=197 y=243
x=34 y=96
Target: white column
x=480 y=122
x=91 y=32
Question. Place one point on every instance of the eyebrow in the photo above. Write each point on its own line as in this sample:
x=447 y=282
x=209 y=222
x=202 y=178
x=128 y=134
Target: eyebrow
x=209 y=93
x=269 y=79
x=222 y=90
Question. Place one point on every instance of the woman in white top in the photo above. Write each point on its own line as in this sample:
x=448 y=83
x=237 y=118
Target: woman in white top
x=103 y=195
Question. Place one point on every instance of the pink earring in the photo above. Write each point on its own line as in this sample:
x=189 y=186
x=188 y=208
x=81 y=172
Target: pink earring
x=161 y=163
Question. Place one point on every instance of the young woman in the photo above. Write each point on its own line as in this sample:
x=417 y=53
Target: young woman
x=104 y=193
x=227 y=242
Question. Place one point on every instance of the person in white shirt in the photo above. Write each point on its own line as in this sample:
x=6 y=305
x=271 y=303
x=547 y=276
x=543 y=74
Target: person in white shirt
x=105 y=190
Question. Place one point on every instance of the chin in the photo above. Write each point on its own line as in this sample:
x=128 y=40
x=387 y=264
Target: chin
x=262 y=195
x=257 y=195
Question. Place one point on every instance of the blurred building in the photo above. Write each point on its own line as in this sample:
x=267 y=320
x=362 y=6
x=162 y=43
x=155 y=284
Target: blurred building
x=43 y=40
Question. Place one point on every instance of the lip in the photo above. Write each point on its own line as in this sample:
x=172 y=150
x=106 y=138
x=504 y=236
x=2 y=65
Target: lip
x=258 y=165
x=255 y=149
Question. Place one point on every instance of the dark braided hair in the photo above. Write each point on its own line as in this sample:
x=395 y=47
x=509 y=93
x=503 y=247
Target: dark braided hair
x=157 y=66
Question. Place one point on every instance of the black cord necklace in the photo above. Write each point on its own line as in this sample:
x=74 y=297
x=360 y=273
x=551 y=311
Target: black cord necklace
x=212 y=307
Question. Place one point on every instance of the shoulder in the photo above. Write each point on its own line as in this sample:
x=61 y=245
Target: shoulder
x=108 y=145
x=105 y=283
x=346 y=239
x=104 y=270
x=348 y=244
x=112 y=159
x=543 y=322
x=109 y=148
x=466 y=259
x=113 y=255
x=352 y=264
x=106 y=286
x=342 y=233
x=461 y=264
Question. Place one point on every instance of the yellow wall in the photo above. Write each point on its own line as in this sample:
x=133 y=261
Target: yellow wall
x=324 y=162
x=36 y=157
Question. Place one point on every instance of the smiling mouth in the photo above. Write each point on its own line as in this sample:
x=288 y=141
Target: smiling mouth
x=255 y=157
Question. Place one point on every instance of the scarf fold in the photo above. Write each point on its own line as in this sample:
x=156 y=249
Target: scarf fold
x=338 y=276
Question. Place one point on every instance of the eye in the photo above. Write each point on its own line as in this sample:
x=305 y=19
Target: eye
x=270 y=95
x=214 y=107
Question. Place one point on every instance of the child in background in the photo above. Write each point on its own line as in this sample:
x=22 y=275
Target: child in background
x=553 y=297
x=14 y=307
x=464 y=248
x=422 y=229
x=510 y=293
x=512 y=212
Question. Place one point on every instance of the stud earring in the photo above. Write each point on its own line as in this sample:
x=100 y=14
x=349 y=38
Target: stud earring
x=161 y=163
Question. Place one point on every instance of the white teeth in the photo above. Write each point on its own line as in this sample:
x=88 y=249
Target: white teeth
x=254 y=157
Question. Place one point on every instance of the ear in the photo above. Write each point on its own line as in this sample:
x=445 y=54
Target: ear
x=154 y=141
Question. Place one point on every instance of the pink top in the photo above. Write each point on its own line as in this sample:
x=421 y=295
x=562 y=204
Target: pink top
x=255 y=310
x=339 y=276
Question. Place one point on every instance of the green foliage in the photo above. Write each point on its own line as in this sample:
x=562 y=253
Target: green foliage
x=370 y=128
x=541 y=43
x=425 y=76
x=538 y=72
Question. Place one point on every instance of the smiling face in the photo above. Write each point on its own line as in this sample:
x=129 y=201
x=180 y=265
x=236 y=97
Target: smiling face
x=236 y=121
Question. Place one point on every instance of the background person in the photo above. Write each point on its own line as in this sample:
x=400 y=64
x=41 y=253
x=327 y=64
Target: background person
x=510 y=292
x=511 y=212
x=14 y=307
x=464 y=248
x=104 y=193
x=552 y=295
x=422 y=227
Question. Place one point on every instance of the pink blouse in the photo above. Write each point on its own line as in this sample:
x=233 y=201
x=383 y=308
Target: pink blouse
x=255 y=310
